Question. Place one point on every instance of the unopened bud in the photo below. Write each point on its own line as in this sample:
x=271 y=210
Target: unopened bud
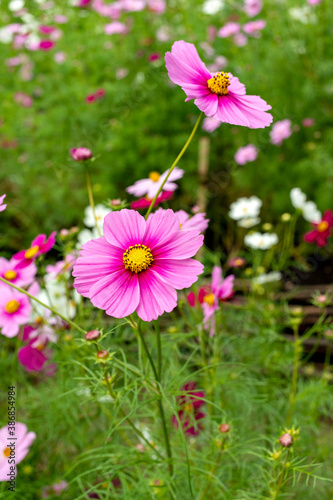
x=115 y=203
x=102 y=354
x=286 y=440
x=224 y=428
x=92 y=335
x=81 y=154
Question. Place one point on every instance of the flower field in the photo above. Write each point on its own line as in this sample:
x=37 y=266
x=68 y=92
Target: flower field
x=166 y=250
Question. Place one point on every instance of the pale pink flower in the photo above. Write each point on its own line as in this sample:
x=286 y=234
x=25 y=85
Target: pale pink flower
x=157 y=6
x=3 y=206
x=252 y=7
x=133 y=5
x=151 y=185
x=210 y=124
x=15 y=310
x=121 y=73
x=220 y=96
x=240 y=40
x=23 y=99
x=228 y=29
x=18 y=276
x=254 y=27
x=115 y=28
x=60 y=268
x=308 y=122
x=280 y=131
x=59 y=57
x=246 y=154
x=23 y=441
x=60 y=19
x=314 y=2
x=138 y=265
x=81 y=154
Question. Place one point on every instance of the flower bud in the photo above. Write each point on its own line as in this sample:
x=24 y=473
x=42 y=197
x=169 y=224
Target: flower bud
x=102 y=354
x=286 y=440
x=224 y=428
x=92 y=335
x=285 y=217
x=81 y=154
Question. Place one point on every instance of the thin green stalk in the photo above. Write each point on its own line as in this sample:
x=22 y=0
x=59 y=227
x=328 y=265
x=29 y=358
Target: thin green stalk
x=159 y=402
x=212 y=472
x=69 y=321
x=295 y=377
x=280 y=483
x=91 y=199
x=159 y=350
x=174 y=164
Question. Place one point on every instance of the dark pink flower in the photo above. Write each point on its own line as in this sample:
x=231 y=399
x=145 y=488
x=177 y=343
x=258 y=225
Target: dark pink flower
x=32 y=358
x=39 y=245
x=220 y=95
x=46 y=29
x=308 y=122
x=81 y=154
x=46 y=45
x=145 y=202
x=189 y=412
x=286 y=440
x=154 y=57
x=322 y=230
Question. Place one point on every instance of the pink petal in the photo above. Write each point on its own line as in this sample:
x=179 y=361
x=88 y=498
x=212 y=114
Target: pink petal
x=208 y=104
x=178 y=274
x=184 y=245
x=185 y=66
x=162 y=226
x=125 y=228
x=156 y=297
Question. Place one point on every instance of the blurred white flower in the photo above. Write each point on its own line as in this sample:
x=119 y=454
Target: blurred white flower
x=298 y=198
x=248 y=222
x=212 y=7
x=268 y=278
x=16 y=5
x=304 y=14
x=57 y=295
x=245 y=208
x=309 y=208
x=100 y=211
x=262 y=241
x=86 y=235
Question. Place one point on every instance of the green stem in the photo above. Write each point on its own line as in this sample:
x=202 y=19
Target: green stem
x=69 y=321
x=174 y=164
x=212 y=472
x=159 y=402
x=281 y=479
x=91 y=200
x=295 y=377
x=159 y=350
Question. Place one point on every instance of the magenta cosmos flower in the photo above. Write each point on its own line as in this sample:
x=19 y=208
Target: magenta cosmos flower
x=138 y=265
x=23 y=441
x=2 y=205
x=219 y=95
x=18 y=276
x=143 y=203
x=39 y=245
x=322 y=231
x=81 y=154
x=190 y=412
x=15 y=310
x=150 y=186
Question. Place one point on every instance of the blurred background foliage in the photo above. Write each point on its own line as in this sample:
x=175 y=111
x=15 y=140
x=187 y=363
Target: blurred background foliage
x=142 y=121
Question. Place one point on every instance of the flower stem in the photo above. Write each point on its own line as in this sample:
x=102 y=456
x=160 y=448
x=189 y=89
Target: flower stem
x=295 y=377
x=159 y=350
x=213 y=470
x=91 y=199
x=159 y=402
x=69 y=321
x=174 y=164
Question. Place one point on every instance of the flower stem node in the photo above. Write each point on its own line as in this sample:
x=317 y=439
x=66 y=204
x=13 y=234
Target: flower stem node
x=93 y=335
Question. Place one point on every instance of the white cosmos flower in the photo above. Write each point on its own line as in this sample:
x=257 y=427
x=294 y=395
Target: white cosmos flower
x=16 y=5
x=57 y=296
x=298 y=198
x=245 y=208
x=268 y=278
x=248 y=222
x=212 y=7
x=100 y=211
x=262 y=241
x=86 y=235
x=309 y=208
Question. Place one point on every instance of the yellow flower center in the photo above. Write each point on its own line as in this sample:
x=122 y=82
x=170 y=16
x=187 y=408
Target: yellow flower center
x=137 y=258
x=209 y=299
x=219 y=84
x=10 y=275
x=188 y=408
x=6 y=452
x=12 y=306
x=238 y=262
x=154 y=176
x=322 y=226
x=31 y=252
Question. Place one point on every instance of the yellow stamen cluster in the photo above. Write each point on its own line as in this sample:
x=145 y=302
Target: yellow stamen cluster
x=10 y=275
x=6 y=452
x=219 y=84
x=137 y=258
x=12 y=306
x=31 y=252
x=209 y=299
x=154 y=176
x=322 y=226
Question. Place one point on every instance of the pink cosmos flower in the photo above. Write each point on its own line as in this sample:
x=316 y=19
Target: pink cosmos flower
x=228 y=29
x=219 y=63
x=23 y=99
x=254 y=27
x=59 y=57
x=81 y=154
x=46 y=45
x=157 y=6
x=314 y=2
x=83 y=3
x=246 y=154
x=197 y=222
x=115 y=28
x=322 y=231
x=155 y=56
x=143 y=203
x=308 y=122
x=3 y=206
x=23 y=441
x=151 y=185
x=54 y=489
x=133 y=5
x=240 y=40
x=138 y=265
x=209 y=297
x=252 y=7
x=60 y=19
x=280 y=131
x=61 y=267
x=32 y=358
x=15 y=310
x=18 y=276
x=46 y=29
x=221 y=96
x=237 y=262
x=190 y=412
x=210 y=124
x=39 y=245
